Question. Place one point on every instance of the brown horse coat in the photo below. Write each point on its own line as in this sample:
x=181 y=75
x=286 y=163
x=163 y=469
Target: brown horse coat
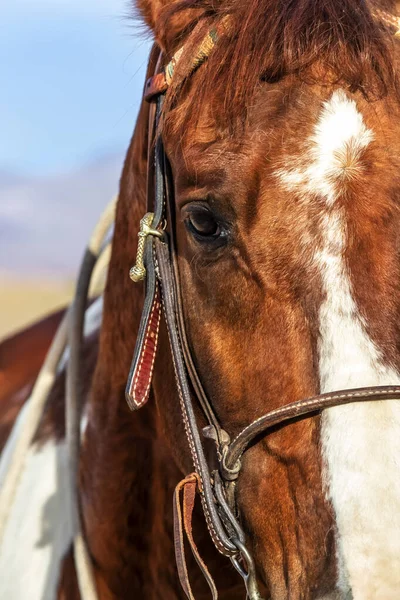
x=288 y=139
x=21 y=357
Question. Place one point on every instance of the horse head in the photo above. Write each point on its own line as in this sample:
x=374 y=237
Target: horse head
x=280 y=128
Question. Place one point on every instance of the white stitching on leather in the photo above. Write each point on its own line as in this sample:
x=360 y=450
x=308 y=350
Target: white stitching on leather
x=218 y=544
x=156 y=304
x=288 y=407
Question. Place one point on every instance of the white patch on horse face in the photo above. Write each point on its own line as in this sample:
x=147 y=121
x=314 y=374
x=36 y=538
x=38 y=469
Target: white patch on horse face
x=360 y=442
x=39 y=530
x=333 y=152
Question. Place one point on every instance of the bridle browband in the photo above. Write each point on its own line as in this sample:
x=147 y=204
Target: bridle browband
x=157 y=263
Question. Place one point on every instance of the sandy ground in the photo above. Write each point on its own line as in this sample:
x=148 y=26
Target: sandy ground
x=23 y=302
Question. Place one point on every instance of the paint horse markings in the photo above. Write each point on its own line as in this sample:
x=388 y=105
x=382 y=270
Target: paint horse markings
x=361 y=443
x=39 y=529
x=282 y=504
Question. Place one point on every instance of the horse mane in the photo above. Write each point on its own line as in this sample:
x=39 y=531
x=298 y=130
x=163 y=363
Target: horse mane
x=329 y=42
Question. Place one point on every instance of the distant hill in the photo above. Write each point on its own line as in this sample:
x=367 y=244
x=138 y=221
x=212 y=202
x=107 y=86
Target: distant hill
x=45 y=222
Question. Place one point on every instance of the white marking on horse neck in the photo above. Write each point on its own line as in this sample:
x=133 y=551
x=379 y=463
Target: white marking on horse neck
x=361 y=442
x=39 y=529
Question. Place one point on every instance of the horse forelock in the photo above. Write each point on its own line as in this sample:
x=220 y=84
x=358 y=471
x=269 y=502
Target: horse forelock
x=344 y=43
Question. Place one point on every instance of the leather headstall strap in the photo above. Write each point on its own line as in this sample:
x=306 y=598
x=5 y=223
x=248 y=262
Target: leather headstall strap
x=213 y=430
x=216 y=527
x=295 y=411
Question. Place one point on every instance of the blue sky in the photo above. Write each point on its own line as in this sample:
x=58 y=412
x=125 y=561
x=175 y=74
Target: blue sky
x=71 y=76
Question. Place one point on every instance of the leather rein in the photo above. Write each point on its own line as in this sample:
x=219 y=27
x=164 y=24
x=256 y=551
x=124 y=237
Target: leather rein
x=157 y=264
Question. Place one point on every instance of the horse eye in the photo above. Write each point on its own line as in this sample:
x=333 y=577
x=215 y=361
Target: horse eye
x=202 y=223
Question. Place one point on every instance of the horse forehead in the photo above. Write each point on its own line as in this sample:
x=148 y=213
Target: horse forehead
x=279 y=114
x=320 y=146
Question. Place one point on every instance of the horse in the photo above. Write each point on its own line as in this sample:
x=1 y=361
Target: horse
x=282 y=144
x=21 y=356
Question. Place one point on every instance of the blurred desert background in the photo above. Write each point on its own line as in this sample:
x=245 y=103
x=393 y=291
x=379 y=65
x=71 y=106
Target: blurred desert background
x=71 y=77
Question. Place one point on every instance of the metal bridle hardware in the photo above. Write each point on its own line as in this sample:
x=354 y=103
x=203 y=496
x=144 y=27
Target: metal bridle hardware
x=248 y=574
x=138 y=271
x=217 y=489
x=228 y=473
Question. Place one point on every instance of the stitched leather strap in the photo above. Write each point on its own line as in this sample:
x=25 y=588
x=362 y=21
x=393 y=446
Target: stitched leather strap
x=213 y=520
x=298 y=410
x=139 y=381
x=141 y=371
x=214 y=431
x=189 y=485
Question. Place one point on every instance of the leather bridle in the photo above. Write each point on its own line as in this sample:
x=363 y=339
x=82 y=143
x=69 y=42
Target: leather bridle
x=157 y=263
